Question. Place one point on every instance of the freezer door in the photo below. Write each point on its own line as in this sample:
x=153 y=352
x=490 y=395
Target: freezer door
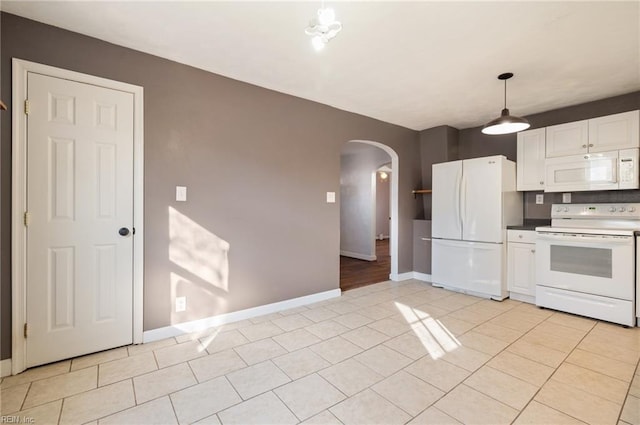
x=445 y=210
x=472 y=267
x=481 y=201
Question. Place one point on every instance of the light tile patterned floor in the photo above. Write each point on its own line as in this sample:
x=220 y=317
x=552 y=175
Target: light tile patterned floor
x=390 y=353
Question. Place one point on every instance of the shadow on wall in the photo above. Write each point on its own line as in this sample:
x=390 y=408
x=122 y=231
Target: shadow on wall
x=201 y=261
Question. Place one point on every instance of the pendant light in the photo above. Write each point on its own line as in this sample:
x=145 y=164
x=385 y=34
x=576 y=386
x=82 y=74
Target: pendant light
x=505 y=123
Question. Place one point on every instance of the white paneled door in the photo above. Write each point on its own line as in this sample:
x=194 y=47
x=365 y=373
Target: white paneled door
x=79 y=284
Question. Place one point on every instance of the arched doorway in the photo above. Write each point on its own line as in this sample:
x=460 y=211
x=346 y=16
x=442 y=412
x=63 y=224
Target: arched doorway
x=353 y=147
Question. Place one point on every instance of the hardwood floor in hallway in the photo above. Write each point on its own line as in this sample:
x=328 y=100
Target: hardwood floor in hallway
x=355 y=273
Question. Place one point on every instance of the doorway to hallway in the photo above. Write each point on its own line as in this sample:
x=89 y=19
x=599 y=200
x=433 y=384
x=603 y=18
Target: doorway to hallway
x=355 y=273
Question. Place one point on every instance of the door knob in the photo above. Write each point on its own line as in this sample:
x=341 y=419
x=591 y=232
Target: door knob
x=123 y=231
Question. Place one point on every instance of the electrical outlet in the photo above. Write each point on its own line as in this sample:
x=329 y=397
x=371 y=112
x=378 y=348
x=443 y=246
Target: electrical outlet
x=331 y=197
x=181 y=304
x=566 y=198
x=539 y=199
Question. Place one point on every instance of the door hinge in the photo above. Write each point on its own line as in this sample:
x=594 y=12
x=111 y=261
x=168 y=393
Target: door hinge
x=27 y=218
x=26 y=330
x=26 y=107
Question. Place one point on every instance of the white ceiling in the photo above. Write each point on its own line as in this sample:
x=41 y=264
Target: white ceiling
x=415 y=64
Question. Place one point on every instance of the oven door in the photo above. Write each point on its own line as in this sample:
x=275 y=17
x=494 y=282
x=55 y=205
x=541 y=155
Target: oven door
x=592 y=264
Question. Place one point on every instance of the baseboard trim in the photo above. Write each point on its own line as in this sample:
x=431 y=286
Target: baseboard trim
x=410 y=275
x=358 y=256
x=522 y=297
x=401 y=276
x=221 y=319
x=5 y=368
x=422 y=276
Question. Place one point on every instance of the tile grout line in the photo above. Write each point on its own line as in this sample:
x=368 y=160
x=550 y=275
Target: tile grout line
x=626 y=397
x=173 y=408
x=60 y=412
x=25 y=397
x=554 y=372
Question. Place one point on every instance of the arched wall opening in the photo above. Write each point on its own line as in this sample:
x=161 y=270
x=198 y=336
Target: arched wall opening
x=394 y=184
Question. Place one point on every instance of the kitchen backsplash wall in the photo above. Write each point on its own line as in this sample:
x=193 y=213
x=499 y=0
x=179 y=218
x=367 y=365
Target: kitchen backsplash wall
x=543 y=211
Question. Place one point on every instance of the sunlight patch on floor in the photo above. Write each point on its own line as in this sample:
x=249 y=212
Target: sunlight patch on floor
x=206 y=341
x=435 y=337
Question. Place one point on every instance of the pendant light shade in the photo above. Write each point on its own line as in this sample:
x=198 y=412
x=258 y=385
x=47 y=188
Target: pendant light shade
x=505 y=123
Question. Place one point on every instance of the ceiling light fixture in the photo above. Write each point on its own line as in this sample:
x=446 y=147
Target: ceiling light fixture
x=323 y=27
x=505 y=123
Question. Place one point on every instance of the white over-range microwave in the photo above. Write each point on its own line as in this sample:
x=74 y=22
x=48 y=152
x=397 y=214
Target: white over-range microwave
x=611 y=170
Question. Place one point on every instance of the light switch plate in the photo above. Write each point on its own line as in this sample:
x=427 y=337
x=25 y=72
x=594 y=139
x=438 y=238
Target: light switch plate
x=181 y=193
x=181 y=304
x=331 y=197
x=540 y=199
x=566 y=198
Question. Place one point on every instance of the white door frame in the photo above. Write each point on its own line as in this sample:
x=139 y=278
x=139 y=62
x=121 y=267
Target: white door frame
x=394 y=204
x=19 y=198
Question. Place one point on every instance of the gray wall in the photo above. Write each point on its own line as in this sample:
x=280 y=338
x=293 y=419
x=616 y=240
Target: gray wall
x=257 y=164
x=357 y=198
x=437 y=144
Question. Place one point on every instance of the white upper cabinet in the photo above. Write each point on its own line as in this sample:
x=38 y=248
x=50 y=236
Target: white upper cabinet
x=530 y=160
x=613 y=132
x=567 y=139
x=603 y=134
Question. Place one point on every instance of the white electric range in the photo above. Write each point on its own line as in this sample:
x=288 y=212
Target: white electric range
x=585 y=261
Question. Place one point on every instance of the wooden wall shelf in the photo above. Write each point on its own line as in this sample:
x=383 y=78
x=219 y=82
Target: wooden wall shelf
x=420 y=192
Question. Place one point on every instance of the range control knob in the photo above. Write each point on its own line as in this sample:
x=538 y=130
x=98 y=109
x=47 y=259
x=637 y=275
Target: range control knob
x=558 y=209
x=632 y=209
x=622 y=209
x=566 y=209
x=612 y=209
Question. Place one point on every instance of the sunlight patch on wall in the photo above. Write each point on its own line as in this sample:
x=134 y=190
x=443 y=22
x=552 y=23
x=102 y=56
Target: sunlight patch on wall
x=198 y=251
x=433 y=335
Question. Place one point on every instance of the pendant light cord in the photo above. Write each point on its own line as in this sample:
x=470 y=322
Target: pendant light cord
x=505 y=94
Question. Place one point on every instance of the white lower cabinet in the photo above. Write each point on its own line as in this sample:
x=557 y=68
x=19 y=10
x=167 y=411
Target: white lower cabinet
x=521 y=265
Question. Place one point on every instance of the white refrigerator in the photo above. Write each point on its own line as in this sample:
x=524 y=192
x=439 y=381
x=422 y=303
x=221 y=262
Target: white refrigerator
x=473 y=202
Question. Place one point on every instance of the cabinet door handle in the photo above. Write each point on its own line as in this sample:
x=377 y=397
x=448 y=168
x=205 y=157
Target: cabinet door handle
x=426 y=239
x=590 y=145
x=533 y=251
x=541 y=182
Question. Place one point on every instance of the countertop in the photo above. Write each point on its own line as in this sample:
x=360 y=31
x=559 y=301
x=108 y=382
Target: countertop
x=531 y=224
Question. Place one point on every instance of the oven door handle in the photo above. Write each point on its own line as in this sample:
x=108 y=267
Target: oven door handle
x=604 y=239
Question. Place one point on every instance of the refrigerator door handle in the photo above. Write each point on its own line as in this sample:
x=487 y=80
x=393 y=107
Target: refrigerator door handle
x=485 y=246
x=462 y=209
x=459 y=179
